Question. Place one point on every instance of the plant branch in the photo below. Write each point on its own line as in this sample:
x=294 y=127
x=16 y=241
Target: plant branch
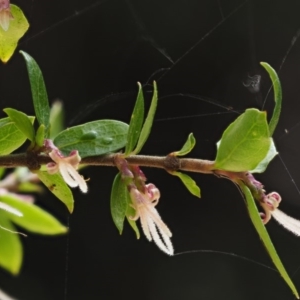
x=169 y=162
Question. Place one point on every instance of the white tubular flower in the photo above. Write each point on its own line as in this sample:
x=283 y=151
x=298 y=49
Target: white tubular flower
x=152 y=224
x=67 y=166
x=5 y=14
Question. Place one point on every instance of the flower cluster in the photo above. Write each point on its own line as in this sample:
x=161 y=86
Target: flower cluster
x=144 y=198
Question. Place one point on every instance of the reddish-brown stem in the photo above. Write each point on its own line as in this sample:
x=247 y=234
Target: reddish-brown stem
x=169 y=163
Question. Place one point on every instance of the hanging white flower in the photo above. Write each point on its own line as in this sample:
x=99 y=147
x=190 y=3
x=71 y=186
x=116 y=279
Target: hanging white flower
x=153 y=226
x=67 y=166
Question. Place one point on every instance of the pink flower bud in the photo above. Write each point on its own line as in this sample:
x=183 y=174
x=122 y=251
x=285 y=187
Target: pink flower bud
x=5 y=14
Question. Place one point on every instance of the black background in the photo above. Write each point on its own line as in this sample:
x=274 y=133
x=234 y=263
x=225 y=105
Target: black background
x=201 y=52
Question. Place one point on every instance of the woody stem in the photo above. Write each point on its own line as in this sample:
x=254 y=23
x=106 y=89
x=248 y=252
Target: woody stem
x=169 y=162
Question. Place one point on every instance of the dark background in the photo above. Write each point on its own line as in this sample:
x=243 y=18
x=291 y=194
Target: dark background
x=201 y=52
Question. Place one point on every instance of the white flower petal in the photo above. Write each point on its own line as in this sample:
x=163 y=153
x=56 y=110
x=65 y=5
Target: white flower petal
x=144 y=223
x=78 y=178
x=167 y=245
x=166 y=238
x=63 y=168
x=287 y=222
x=158 y=221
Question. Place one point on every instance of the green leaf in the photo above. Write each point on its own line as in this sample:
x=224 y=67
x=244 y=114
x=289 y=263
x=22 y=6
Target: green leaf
x=11 y=251
x=57 y=186
x=40 y=134
x=136 y=122
x=265 y=162
x=56 y=119
x=93 y=138
x=119 y=200
x=262 y=232
x=189 y=183
x=38 y=90
x=245 y=142
x=11 y=138
x=34 y=218
x=130 y=212
x=187 y=147
x=277 y=96
x=148 y=122
x=22 y=121
x=9 y=38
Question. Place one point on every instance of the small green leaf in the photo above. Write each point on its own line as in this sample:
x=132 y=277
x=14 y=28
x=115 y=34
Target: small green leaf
x=93 y=138
x=265 y=162
x=148 y=122
x=56 y=119
x=264 y=236
x=11 y=251
x=9 y=39
x=22 y=121
x=39 y=92
x=130 y=212
x=57 y=186
x=277 y=96
x=11 y=138
x=34 y=218
x=189 y=183
x=119 y=200
x=187 y=147
x=245 y=142
x=136 y=122
x=40 y=134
